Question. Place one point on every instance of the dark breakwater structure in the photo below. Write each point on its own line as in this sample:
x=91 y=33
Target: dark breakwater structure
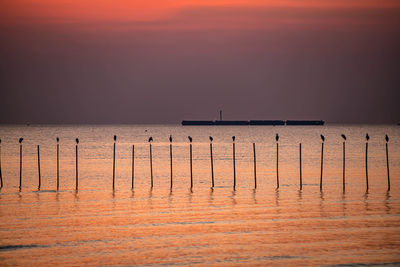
x=253 y=122
x=150 y=140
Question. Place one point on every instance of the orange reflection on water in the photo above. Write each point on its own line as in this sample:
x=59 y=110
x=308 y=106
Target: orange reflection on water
x=204 y=227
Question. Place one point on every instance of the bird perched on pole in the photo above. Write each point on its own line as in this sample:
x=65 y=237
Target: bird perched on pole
x=20 y=140
x=58 y=139
x=277 y=137
x=233 y=138
x=190 y=139
x=170 y=138
x=322 y=138
x=77 y=141
x=343 y=136
x=115 y=138
x=387 y=138
x=367 y=137
x=211 y=139
x=151 y=139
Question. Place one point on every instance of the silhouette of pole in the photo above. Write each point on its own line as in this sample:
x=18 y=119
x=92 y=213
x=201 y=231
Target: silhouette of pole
x=234 y=161
x=20 y=163
x=387 y=160
x=1 y=175
x=151 y=161
x=344 y=162
x=115 y=140
x=191 y=170
x=38 y=158
x=212 y=162
x=58 y=163
x=366 y=161
x=76 y=163
x=170 y=156
x=277 y=161
x=301 y=178
x=133 y=166
x=255 y=166
x=322 y=160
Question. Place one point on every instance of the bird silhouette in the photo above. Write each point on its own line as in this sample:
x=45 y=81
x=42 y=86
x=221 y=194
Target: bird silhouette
x=58 y=139
x=190 y=139
x=77 y=141
x=170 y=138
x=277 y=137
x=115 y=138
x=20 y=140
x=344 y=137
x=323 y=138
x=367 y=136
x=151 y=139
x=387 y=138
x=233 y=138
x=211 y=139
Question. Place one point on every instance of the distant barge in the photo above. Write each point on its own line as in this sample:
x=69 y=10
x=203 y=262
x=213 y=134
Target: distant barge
x=254 y=122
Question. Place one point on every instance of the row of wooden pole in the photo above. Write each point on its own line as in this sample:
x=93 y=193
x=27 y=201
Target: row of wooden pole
x=212 y=163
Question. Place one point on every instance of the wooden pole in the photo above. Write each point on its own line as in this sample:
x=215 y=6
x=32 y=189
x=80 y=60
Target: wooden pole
x=151 y=166
x=1 y=175
x=344 y=166
x=322 y=165
x=76 y=164
x=234 y=164
x=170 y=159
x=301 y=178
x=38 y=157
x=212 y=166
x=58 y=164
x=366 y=165
x=387 y=165
x=20 y=163
x=133 y=166
x=255 y=166
x=277 y=166
x=191 y=171
x=115 y=139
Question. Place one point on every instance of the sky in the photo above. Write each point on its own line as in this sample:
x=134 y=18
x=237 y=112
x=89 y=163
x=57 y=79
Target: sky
x=162 y=61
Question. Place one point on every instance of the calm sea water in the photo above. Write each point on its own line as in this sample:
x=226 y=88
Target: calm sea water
x=98 y=226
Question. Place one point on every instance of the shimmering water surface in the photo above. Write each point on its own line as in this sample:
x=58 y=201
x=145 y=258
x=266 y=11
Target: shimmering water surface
x=98 y=226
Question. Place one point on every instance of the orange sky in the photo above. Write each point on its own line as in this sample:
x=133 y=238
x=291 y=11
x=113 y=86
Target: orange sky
x=251 y=54
x=61 y=11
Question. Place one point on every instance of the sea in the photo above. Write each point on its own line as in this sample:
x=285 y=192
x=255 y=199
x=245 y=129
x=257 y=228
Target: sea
x=257 y=223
